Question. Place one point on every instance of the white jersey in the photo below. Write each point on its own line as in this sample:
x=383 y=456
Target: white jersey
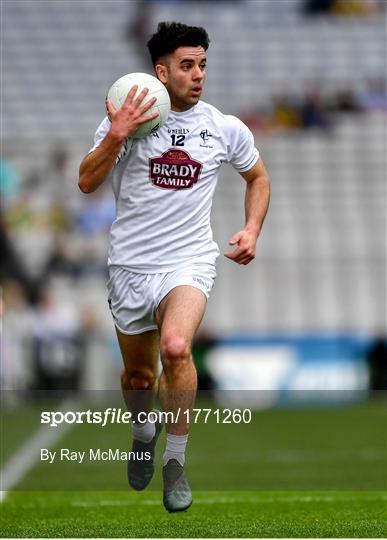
x=164 y=185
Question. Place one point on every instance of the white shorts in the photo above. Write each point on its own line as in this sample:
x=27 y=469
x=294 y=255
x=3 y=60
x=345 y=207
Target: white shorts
x=134 y=298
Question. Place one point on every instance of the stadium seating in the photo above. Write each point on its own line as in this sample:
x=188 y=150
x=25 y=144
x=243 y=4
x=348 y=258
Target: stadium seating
x=320 y=261
x=60 y=57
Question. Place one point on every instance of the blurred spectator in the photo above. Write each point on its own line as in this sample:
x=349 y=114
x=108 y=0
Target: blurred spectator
x=310 y=111
x=58 y=344
x=44 y=211
x=94 y=217
x=314 y=110
x=12 y=267
x=9 y=180
x=55 y=184
x=140 y=27
x=61 y=261
x=317 y=7
x=16 y=329
x=286 y=113
x=345 y=101
x=257 y=120
x=97 y=211
x=374 y=98
x=139 y=30
x=356 y=7
x=343 y=7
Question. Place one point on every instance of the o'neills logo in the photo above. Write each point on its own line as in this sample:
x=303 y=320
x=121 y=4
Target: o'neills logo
x=174 y=170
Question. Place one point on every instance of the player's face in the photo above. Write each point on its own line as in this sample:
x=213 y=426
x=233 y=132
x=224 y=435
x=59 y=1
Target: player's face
x=183 y=74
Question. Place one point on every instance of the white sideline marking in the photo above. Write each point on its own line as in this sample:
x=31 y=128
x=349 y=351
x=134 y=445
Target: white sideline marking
x=27 y=455
x=226 y=500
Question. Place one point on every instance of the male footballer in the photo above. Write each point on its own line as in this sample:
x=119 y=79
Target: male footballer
x=162 y=257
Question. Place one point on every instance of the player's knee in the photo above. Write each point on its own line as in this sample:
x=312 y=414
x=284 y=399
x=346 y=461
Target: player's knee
x=139 y=379
x=174 y=348
x=139 y=382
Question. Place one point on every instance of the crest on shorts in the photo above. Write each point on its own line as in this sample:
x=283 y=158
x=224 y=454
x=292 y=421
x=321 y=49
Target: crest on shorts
x=174 y=169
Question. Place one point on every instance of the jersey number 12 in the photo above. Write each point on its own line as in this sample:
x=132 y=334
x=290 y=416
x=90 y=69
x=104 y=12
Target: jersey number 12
x=178 y=140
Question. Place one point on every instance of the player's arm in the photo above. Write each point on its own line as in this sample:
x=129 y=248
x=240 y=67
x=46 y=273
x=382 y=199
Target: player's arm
x=256 y=204
x=97 y=165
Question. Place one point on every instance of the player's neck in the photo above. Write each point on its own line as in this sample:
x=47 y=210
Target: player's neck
x=180 y=109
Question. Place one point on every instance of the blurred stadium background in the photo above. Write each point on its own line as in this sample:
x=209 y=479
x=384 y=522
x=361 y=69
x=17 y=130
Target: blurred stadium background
x=308 y=77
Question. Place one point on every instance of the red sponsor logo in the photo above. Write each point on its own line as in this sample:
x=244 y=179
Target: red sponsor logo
x=174 y=169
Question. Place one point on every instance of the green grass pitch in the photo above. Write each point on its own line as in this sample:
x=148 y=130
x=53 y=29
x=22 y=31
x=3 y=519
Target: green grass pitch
x=312 y=472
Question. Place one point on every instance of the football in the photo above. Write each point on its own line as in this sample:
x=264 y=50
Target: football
x=120 y=89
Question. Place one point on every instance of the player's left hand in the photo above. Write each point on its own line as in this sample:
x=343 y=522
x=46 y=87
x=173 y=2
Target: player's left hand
x=245 y=252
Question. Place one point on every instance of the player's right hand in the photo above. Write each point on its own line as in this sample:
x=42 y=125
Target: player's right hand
x=132 y=114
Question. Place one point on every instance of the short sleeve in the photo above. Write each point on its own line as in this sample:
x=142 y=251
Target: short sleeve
x=242 y=153
x=101 y=133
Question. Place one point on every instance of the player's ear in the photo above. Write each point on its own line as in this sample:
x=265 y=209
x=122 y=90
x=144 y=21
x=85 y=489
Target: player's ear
x=162 y=72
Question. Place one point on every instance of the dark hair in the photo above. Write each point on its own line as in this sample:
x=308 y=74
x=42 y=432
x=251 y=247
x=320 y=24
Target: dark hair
x=171 y=35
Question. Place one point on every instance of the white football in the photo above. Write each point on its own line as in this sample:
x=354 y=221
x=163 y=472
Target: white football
x=120 y=89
